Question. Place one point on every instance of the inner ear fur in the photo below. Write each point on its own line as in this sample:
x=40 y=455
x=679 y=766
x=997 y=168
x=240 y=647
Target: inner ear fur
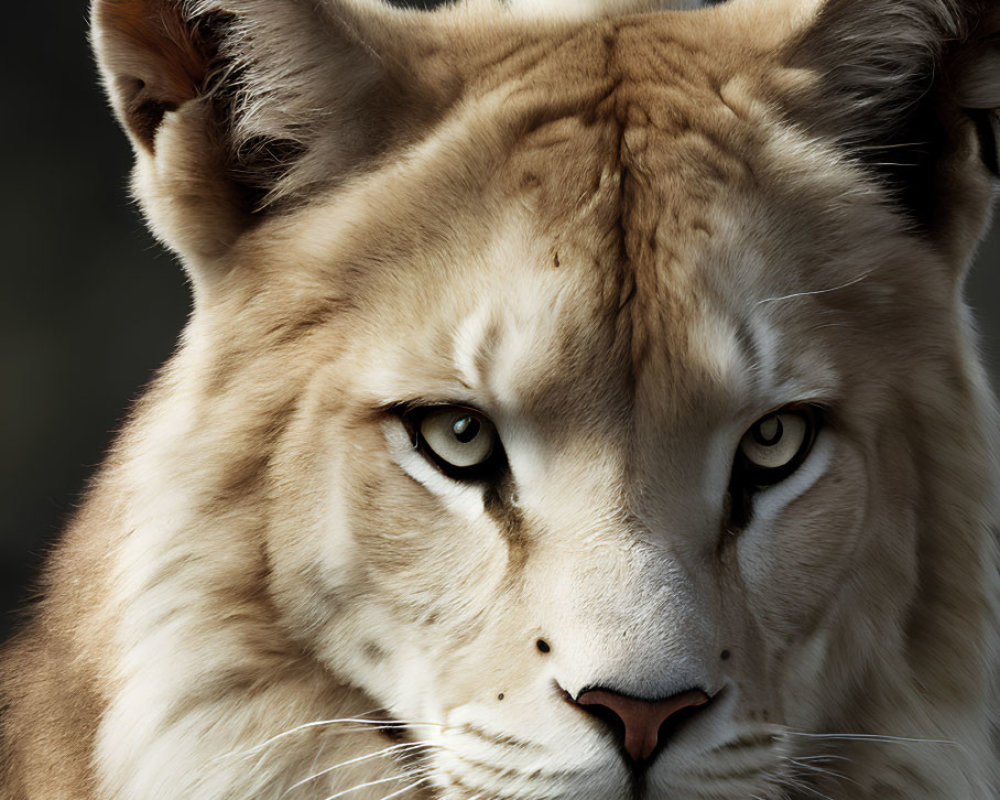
x=910 y=88
x=154 y=59
x=239 y=109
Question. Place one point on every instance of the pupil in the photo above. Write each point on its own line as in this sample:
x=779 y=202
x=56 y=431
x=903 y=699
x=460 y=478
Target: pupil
x=466 y=429
x=768 y=432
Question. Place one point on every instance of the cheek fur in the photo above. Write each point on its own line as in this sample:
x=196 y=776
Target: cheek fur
x=799 y=546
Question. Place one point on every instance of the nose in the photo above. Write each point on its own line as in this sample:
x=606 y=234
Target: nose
x=640 y=724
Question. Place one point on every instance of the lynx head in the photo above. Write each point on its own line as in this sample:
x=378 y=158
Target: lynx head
x=592 y=388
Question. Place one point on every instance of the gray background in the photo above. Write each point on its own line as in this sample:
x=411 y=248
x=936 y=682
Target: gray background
x=89 y=304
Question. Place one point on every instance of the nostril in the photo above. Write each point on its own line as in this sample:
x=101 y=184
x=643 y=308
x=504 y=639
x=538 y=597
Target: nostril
x=641 y=725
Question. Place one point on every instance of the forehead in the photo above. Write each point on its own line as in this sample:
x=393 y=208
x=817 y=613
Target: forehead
x=627 y=179
x=639 y=122
x=582 y=220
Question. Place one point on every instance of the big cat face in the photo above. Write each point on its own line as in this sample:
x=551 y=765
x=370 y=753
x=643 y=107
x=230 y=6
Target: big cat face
x=577 y=404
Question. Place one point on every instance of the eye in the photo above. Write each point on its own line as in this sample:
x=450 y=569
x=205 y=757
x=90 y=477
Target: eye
x=462 y=442
x=771 y=450
x=776 y=445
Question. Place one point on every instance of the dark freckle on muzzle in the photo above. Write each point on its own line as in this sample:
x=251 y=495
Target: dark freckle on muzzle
x=543 y=646
x=725 y=655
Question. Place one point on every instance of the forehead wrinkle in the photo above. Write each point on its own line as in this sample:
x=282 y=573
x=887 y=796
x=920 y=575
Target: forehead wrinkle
x=634 y=173
x=681 y=146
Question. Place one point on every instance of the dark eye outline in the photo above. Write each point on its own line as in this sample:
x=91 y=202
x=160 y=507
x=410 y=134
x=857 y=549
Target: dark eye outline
x=748 y=478
x=489 y=471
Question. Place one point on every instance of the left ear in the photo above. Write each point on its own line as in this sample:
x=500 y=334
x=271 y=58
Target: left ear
x=911 y=88
x=239 y=109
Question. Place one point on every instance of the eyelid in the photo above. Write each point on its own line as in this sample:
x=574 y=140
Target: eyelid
x=406 y=410
x=817 y=405
x=815 y=418
x=405 y=407
x=411 y=414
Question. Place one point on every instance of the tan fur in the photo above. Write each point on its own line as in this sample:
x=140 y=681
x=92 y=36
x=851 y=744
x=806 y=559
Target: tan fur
x=625 y=237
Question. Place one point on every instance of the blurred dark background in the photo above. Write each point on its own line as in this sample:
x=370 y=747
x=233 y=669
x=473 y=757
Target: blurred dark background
x=90 y=305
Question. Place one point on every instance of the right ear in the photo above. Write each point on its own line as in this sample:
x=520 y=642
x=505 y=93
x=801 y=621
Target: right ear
x=239 y=109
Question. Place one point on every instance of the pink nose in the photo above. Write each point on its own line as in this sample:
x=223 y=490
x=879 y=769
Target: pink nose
x=638 y=722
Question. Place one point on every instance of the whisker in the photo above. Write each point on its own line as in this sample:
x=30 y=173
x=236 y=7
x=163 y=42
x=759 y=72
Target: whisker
x=821 y=771
x=370 y=712
x=872 y=737
x=406 y=746
x=830 y=757
x=409 y=788
x=377 y=782
x=802 y=786
x=890 y=146
x=318 y=756
x=358 y=724
x=851 y=282
x=748 y=741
